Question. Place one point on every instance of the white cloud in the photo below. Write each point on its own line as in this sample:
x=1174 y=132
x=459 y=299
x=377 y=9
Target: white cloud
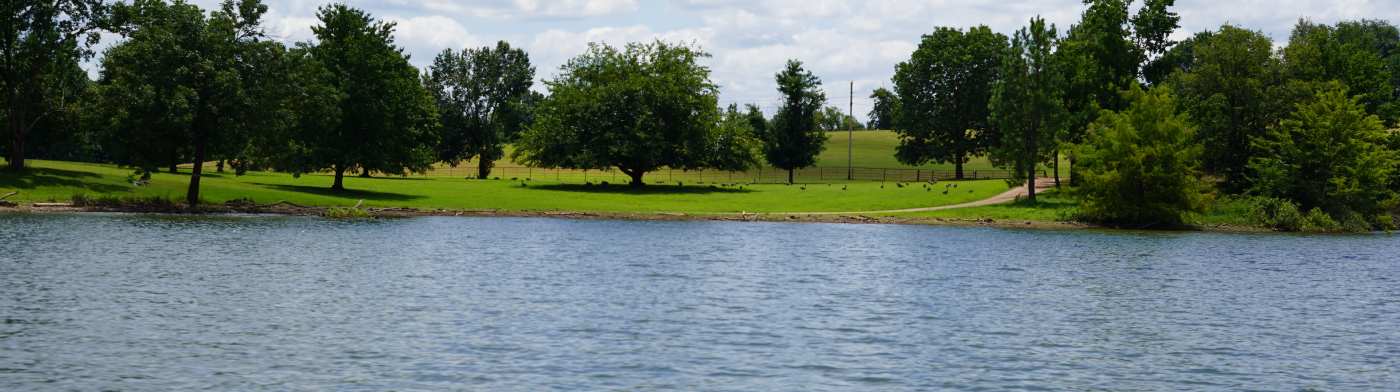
x=532 y=9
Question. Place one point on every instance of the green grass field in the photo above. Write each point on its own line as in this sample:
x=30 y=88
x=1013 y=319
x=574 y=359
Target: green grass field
x=59 y=181
x=873 y=149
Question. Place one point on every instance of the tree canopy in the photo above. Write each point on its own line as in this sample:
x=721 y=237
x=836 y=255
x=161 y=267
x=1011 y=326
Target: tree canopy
x=185 y=85
x=945 y=90
x=885 y=104
x=1328 y=154
x=483 y=98
x=37 y=37
x=384 y=114
x=794 y=139
x=638 y=108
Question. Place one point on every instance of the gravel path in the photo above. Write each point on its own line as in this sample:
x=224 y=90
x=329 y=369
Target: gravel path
x=1041 y=184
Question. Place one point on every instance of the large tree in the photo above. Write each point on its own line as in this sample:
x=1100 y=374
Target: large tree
x=1321 y=53
x=638 y=108
x=1026 y=101
x=794 y=139
x=481 y=97
x=1140 y=164
x=385 y=115
x=944 y=91
x=1328 y=154
x=884 y=105
x=36 y=35
x=1234 y=92
x=182 y=83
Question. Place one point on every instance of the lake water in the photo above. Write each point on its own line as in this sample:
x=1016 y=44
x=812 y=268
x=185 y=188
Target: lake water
x=151 y=302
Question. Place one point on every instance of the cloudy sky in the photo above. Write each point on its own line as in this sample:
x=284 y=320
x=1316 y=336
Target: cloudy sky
x=840 y=41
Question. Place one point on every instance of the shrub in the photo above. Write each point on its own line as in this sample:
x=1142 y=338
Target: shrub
x=346 y=212
x=1139 y=165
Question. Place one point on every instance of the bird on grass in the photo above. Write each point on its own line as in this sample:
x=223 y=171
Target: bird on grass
x=970 y=190
x=945 y=191
x=804 y=187
x=899 y=185
x=955 y=185
x=522 y=183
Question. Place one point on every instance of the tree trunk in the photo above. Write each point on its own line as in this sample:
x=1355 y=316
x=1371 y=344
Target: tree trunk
x=636 y=177
x=339 y=177
x=1030 y=170
x=483 y=169
x=220 y=165
x=192 y=196
x=174 y=167
x=1056 y=162
x=957 y=166
x=364 y=172
x=1073 y=177
x=16 y=150
x=789 y=176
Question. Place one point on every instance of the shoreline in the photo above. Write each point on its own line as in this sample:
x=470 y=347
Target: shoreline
x=394 y=212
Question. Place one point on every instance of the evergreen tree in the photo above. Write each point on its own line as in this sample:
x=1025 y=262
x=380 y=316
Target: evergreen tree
x=794 y=140
x=1026 y=102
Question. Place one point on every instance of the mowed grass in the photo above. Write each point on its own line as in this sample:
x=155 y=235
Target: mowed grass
x=59 y=181
x=873 y=149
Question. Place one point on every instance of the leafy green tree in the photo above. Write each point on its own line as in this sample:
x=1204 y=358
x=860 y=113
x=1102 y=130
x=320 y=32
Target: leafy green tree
x=794 y=139
x=1180 y=58
x=833 y=119
x=36 y=38
x=638 y=108
x=1026 y=101
x=1316 y=53
x=1152 y=29
x=385 y=115
x=1139 y=165
x=1328 y=154
x=184 y=83
x=944 y=91
x=1234 y=93
x=479 y=93
x=757 y=121
x=883 y=110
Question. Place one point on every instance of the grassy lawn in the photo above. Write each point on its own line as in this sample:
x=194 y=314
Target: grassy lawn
x=59 y=181
x=868 y=149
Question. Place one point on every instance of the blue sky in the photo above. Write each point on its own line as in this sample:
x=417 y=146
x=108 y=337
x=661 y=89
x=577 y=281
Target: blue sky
x=840 y=41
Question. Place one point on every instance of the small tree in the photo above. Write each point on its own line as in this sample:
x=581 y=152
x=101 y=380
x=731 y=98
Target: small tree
x=1026 y=103
x=944 y=90
x=1139 y=165
x=794 y=140
x=882 y=110
x=480 y=94
x=1329 y=154
x=638 y=109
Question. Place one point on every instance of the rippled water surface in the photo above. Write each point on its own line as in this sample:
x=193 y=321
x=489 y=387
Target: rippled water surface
x=148 y=302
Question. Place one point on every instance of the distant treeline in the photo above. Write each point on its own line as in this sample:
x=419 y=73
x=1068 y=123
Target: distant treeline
x=1154 y=128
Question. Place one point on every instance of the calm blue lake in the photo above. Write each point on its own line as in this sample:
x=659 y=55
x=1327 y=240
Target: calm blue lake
x=158 y=302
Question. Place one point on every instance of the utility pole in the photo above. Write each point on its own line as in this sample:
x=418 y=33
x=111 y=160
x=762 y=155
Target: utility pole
x=850 y=138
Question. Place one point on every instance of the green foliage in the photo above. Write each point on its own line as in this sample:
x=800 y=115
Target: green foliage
x=1026 y=101
x=42 y=42
x=1153 y=26
x=641 y=108
x=945 y=90
x=1320 y=53
x=1180 y=58
x=482 y=96
x=184 y=85
x=882 y=112
x=1139 y=164
x=1234 y=93
x=383 y=116
x=1329 y=154
x=347 y=213
x=833 y=119
x=758 y=123
x=794 y=139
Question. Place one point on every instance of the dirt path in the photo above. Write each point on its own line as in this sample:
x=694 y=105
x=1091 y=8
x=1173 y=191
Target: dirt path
x=1041 y=184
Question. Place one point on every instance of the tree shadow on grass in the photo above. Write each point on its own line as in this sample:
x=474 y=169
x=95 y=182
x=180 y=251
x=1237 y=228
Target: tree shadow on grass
x=348 y=193
x=658 y=189
x=44 y=177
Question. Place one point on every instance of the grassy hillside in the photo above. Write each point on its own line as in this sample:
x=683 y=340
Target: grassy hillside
x=59 y=181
